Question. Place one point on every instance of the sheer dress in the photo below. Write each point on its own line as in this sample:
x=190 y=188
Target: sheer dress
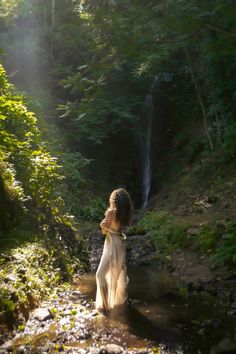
x=111 y=276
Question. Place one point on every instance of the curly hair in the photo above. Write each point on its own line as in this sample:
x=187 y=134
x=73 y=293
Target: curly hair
x=120 y=198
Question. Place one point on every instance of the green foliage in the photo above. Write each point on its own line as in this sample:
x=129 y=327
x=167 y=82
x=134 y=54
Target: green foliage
x=208 y=238
x=166 y=232
x=218 y=243
x=228 y=152
x=226 y=250
x=94 y=209
x=12 y=186
x=28 y=170
x=29 y=273
x=17 y=237
x=8 y=7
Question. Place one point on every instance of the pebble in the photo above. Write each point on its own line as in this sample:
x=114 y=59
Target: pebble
x=21 y=350
x=7 y=345
x=193 y=231
x=111 y=349
x=225 y=346
x=42 y=314
x=232 y=312
x=10 y=277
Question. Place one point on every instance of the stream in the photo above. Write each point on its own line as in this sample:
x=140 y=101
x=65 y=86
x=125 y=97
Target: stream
x=178 y=323
x=157 y=319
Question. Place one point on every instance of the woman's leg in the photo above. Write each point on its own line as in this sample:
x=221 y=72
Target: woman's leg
x=122 y=287
x=102 y=291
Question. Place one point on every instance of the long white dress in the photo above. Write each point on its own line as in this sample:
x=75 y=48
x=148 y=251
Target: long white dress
x=111 y=276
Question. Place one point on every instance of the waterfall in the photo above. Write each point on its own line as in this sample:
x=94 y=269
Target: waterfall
x=145 y=142
x=145 y=138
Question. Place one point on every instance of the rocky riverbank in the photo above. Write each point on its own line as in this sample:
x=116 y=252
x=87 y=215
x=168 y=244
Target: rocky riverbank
x=68 y=322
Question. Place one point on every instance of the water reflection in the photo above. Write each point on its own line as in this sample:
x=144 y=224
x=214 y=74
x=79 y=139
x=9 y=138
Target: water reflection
x=156 y=311
x=145 y=286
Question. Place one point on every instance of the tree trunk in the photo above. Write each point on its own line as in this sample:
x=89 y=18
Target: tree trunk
x=199 y=98
x=218 y=124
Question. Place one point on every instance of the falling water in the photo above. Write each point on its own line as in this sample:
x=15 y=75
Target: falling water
x=145 y=140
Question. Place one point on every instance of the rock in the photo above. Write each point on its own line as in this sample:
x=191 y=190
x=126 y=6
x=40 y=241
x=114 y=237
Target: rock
x=215 y=323
x=223 y=294
x=111 y=349
x=67 y=313
x=226 y=345
x=221 y=223
x=7 y=346
x=76 y=292
x=193 y=231
x=21 y=350
x=22 y=270
x=10 y=277
x=202 y=331
x=233 y=305
x=82 y=351
x=93 y=350
x=42 y=314
x=232 y=312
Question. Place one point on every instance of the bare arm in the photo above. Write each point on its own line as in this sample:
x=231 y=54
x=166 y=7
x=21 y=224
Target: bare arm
x=106 y=222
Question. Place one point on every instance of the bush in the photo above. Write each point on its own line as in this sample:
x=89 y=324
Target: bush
x=221 y=244
x=166 y=232
x=226 y=252
x=208 y=238
x=94 y=210
x=228 y=151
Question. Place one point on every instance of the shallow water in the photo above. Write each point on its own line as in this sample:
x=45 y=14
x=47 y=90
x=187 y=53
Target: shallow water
x=159 y=314
x=162 y=311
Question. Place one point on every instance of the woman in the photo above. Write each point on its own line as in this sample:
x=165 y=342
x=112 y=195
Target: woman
x=111 y=275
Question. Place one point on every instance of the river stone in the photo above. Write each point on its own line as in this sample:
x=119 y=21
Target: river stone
x=76 y=293
x=93 y=350
x=111 y=349
x=193 y=231
x=21 y=350
x=42 y=314
x=22 y=271
x=10 y=277
x=232 y=312
x=6 y=346
x=226 y=345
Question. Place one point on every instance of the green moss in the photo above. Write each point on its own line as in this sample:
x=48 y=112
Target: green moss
x=29 y=273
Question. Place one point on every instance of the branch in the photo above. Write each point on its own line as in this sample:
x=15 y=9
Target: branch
x=199 y=96
x=195 y=33
x=220 y=30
